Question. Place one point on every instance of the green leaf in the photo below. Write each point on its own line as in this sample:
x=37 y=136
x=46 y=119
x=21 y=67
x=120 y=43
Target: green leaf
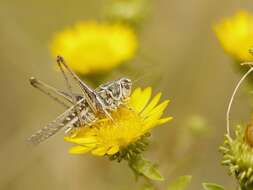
x=212 y=186
x=146 y=168
x=181 y=183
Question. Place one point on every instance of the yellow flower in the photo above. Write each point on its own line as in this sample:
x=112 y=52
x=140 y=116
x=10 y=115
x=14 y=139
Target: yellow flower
x=236 y=35
x=92 y=47
x=130 y=123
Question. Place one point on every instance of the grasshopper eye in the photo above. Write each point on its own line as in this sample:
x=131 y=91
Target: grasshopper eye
x=126 y=85
x=114 y=90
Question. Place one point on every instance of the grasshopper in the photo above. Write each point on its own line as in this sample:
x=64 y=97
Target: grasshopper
x=86 y=107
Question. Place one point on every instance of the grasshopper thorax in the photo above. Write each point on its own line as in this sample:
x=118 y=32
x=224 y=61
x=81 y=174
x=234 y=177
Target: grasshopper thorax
x=115 y=93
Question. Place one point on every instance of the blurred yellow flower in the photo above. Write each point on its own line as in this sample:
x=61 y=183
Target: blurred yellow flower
x=92 y=47
x=236 y=35
x=129 y=124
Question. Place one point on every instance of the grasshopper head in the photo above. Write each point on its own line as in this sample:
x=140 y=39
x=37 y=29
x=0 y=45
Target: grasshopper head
x=126 y=87
x=115 y=93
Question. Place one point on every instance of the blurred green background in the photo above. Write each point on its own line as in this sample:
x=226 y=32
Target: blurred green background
x=179 y=55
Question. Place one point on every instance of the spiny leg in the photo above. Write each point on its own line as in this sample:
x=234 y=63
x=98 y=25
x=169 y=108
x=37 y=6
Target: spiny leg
x=70 y=90
x=66 y=119
x=88 y=92
x=50 y=91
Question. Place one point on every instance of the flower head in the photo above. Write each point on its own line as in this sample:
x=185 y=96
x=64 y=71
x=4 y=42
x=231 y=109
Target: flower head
x=92 y=47
x=130 y=123
x=238 y=156
x=236 y=35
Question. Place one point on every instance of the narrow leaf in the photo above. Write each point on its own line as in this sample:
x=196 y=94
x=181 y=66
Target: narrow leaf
x=181 y=183
x=146 y=168
x=212 y=186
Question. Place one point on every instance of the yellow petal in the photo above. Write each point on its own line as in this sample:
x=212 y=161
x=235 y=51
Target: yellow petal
x=101 y=151
x=113 y=150
x=79 y=149
x=152 y=120
x=135 y=96
x=151 y=105
x=160 y=108
x=82 y=141
x=164 y=120
x=143 y=99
